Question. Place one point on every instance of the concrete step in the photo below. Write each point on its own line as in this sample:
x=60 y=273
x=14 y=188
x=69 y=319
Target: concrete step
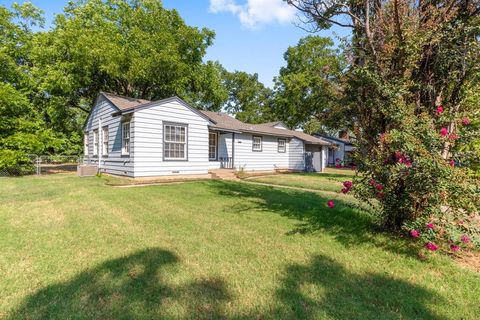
x=86 y=170
x=224 y=174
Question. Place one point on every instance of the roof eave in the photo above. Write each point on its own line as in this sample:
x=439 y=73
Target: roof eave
x=162 y=101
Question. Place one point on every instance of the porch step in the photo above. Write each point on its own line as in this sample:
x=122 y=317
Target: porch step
x=223 y=174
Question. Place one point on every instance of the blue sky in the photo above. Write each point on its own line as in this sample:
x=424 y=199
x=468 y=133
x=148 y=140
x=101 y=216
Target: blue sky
x=251 y=35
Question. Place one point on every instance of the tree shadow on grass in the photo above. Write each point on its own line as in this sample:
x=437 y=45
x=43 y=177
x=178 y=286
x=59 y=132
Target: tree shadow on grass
x=348 y=225
x=130 y=287
x=324 y=289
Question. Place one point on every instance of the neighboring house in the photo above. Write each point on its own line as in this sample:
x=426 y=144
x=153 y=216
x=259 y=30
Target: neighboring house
x=140 y=138
x=341 y=149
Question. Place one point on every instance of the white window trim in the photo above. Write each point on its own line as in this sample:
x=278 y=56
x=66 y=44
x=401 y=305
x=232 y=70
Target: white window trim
x=253 y=143
x=95 y=142
x=216 y=144
x=184 y=143
x=85 y=144
x=126 y=138
x=105 y=141
x=282 y=149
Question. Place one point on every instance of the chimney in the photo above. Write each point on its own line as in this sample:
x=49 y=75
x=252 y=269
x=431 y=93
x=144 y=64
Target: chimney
x=343 y=134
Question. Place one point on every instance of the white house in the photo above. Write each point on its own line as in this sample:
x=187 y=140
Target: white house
x=140 y=138
x=340 y=151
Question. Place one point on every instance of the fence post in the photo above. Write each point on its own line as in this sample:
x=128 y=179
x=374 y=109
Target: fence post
x=37 y=161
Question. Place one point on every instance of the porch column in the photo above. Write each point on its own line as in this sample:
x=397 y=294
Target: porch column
x=233 y=150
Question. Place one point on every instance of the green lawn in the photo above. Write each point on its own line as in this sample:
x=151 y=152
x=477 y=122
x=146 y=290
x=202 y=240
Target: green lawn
x=76 y=248
x=331 y=180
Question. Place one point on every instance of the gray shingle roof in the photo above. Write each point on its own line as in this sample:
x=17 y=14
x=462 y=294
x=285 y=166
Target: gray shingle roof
x=220 y=121
x=225 y=122
x=124 y=103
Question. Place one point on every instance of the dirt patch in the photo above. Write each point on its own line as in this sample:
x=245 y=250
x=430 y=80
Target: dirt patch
x=470 y=260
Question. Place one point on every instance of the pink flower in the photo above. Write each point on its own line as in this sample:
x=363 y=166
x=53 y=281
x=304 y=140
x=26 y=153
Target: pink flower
x=414 y=233
x=373 y=182
x=348 y=184
x=380 y=195
x=345 y=190
x=402 y=158
x=444 y=132
x=465 y=239
x=379 y=187
x=453 y=136
x=454 y=247
x=430 y=226
x=465 y=121
x=439 y=109
x=330 y=204
x=431 y=246
x=452 y=163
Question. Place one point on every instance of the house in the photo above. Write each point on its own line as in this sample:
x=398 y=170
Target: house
x=341 y=150
x=141 y=138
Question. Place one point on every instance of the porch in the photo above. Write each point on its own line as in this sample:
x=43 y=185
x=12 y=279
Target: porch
x=221 y=149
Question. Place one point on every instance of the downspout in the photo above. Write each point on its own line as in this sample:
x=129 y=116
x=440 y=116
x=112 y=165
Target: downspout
x=100 y=143
x=233 y=150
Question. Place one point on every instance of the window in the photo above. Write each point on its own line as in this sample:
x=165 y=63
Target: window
x=282 y=145
x=85 y=144
x=175 y=142
x=105 y=141
x=126 y=138
x=212 y=146
x=95 y=142
x=257 y=143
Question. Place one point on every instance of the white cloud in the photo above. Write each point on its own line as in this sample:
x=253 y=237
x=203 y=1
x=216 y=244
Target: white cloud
x=256 y=12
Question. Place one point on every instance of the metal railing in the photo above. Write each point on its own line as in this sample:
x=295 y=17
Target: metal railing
x=226 y=162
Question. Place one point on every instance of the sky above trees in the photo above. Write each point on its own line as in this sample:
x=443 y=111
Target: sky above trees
x=251 y=35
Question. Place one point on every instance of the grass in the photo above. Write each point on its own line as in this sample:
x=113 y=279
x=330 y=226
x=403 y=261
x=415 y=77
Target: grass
x=330 y=180
x=74 y=248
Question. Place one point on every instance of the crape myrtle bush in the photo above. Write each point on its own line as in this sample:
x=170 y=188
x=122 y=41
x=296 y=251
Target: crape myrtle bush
x=414 y=189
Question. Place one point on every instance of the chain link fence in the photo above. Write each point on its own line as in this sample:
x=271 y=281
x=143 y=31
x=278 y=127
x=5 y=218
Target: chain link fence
x=33 y=164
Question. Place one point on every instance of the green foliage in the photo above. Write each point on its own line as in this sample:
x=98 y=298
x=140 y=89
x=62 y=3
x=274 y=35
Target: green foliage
x=413 y=79
x=22 y=129
x=248 y=99
x=309 y=86
x=133 y=48
x=49 y=79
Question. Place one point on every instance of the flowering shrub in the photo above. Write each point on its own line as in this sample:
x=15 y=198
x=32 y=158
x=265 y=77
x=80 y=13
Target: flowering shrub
x=413 y=185
x=440 y=237
x=338 y=163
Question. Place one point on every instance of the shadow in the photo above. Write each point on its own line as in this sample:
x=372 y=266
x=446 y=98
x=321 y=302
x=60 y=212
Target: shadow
x=324 y=289
x=117 y=140
x=131 y=287
x=333 y=176
x=348 y=224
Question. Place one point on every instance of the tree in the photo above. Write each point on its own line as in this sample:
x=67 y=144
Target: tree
x=129 y=47
x=248 y=99
x=414 y=66
x=308 y=89
x=22 y=130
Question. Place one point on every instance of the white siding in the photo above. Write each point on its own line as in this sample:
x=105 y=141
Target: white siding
x=148 y=147
x=296 y=160
x=225 y=145
x=324 y=157
x=266 y=160
x=114 y=163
